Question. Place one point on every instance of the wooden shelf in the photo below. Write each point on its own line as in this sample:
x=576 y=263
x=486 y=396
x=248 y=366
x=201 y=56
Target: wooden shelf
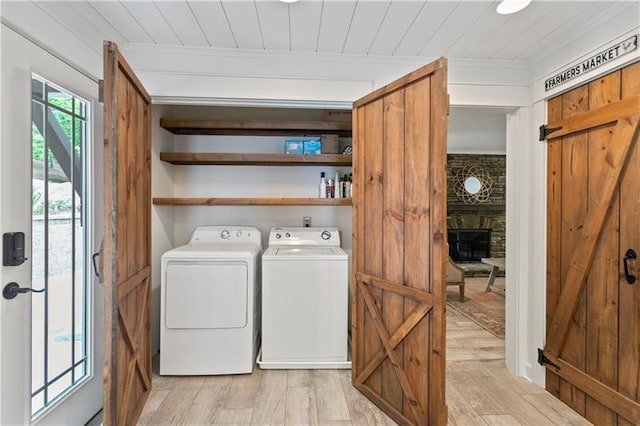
x=231 y=201
x=209 y=158
x=255 y=127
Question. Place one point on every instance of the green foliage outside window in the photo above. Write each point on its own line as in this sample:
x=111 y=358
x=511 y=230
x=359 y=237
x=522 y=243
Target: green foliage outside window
x=60 y=190
x=65 y=121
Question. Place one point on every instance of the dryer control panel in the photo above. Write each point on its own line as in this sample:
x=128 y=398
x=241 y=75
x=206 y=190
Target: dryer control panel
x=307 y=237
x=226 y=235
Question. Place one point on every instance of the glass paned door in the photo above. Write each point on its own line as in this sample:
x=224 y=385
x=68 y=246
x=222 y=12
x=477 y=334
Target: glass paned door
x=59 y=330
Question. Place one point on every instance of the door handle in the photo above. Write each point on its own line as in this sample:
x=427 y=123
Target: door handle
x=12 y=289
x=629 y=255
x=95 y=266
x=97 y=269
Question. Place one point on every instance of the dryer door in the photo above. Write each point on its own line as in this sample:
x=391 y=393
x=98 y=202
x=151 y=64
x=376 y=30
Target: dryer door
x=206 y=295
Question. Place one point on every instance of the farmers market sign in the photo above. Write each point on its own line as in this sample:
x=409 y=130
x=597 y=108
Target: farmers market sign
x=594 y=62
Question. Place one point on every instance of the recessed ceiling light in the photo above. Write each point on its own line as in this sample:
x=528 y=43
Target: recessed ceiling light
x=507 y=7
x=289 y=1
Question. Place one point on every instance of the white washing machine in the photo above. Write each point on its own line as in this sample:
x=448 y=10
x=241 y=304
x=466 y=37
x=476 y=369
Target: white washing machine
x=210 y=293
x=304 y=300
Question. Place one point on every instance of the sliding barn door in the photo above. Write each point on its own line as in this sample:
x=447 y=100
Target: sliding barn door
x=399 y=205
x=127 y=249
x=593 y=233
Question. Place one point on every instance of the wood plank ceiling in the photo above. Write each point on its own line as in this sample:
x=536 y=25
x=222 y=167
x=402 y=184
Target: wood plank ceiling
x=456 y=29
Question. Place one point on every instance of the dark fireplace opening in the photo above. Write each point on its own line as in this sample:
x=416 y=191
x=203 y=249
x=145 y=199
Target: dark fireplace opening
x=467 y=245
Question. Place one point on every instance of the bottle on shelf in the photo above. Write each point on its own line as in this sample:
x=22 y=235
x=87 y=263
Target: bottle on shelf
x=345 y=186
x=331 y=189
x=323 y=186
x=338 y=186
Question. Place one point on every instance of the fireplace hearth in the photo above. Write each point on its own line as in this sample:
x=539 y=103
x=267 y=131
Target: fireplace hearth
x=468 y=245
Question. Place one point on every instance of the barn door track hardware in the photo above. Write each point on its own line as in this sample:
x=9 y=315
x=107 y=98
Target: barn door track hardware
x=542 y=360
x=546 y=131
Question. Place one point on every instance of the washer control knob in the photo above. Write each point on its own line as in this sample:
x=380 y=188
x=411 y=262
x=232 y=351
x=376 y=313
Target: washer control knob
x=225 y=235
x=278 y=236
x=239 y=234
x=325 y=235
x=288 y=235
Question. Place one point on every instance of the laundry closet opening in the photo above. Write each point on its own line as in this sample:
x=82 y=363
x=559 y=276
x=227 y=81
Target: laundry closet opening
x=242 y=176
x=195 y=190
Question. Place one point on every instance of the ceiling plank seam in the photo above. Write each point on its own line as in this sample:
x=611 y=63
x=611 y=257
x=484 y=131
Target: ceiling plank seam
x=255 y=9
x=409 y=28
x=168 y=23
x=226 y=18
x=375 y=36
x=138 y=22
x=346 y=37
x=195 y=16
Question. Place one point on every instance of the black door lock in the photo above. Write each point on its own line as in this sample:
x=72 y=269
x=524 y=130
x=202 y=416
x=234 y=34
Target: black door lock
x=13 y=249
x=12 y=289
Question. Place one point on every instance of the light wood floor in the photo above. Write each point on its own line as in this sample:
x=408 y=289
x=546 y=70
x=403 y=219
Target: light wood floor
x=480 y=391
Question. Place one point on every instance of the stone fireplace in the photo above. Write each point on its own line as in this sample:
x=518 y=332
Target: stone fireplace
x=489 y=215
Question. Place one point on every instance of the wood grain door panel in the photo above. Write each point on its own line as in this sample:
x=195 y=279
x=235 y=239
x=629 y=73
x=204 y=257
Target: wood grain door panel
x=592 y=219
x=127 y=244
x=399 y=213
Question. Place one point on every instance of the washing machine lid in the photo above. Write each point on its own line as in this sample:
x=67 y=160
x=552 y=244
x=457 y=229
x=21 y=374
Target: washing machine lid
x=213 y=251
x=304 y=253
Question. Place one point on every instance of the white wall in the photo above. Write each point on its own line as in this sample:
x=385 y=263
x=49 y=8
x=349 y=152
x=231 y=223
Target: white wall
x=473 y=130
x=36 y=24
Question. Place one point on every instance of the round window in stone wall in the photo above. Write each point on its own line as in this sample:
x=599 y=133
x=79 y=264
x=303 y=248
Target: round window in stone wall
x=473 y=185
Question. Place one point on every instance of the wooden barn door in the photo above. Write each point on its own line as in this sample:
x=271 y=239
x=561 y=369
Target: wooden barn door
x=593 y=307
x=127 y=249
x=399 y=211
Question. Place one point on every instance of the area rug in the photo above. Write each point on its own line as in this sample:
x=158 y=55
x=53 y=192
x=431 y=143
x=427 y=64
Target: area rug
x=485 y=309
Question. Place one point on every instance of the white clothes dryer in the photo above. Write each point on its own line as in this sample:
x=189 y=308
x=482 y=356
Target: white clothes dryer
x=210 y=293
x=304 y=300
